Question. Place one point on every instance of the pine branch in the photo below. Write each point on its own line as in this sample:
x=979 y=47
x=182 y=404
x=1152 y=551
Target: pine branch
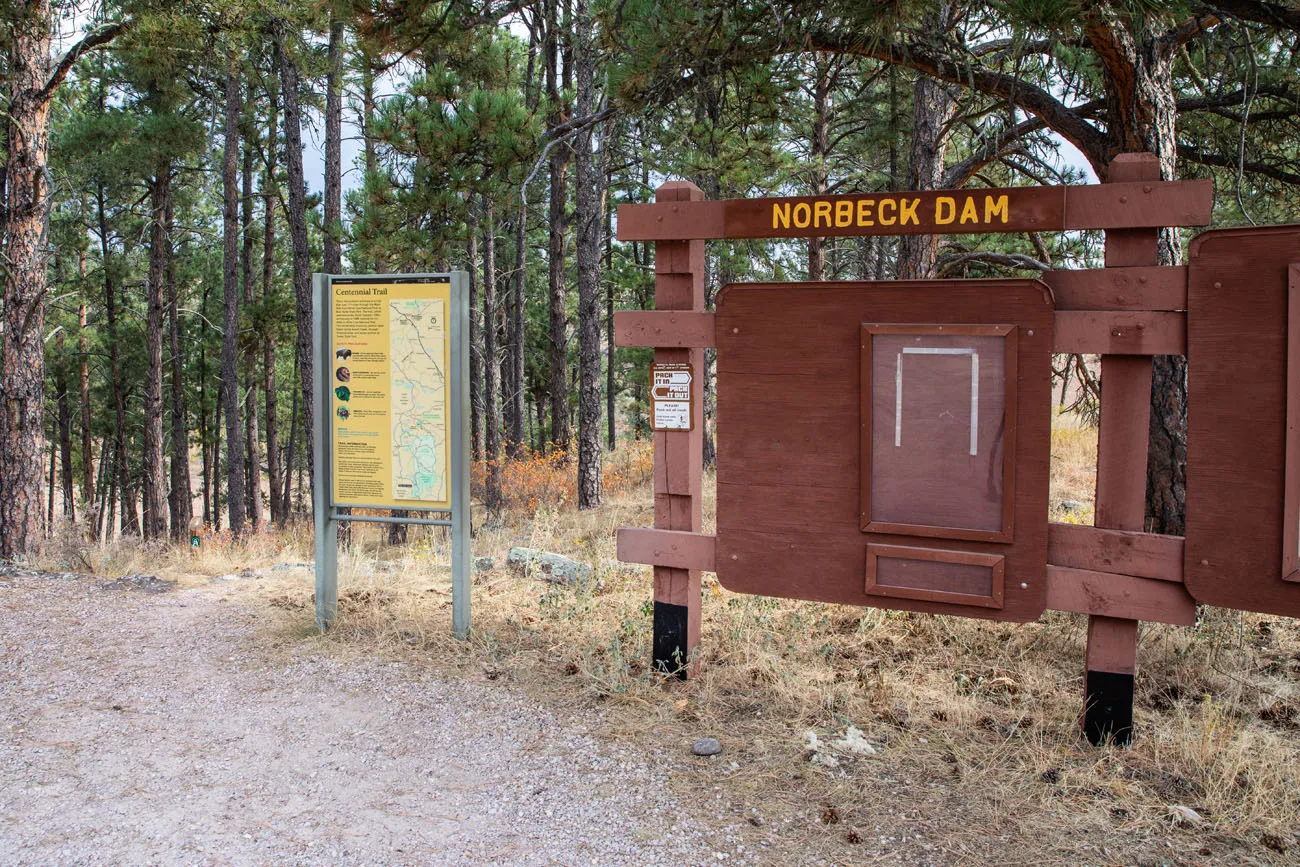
x=1272 y=14
x=955 y=70
x=1191 y=154
x=90 y=41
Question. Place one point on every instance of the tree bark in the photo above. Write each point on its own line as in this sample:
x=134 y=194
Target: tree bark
x=235 y=484
x=514 y=409
x=491 y=369
x=558 y=165
x=22 y=349
x=87 y=446
x=933 y=106
x=181 y=498
x=819 y=150
x=475 y=353
x=298 y=234
x=1143 y=115
x=155 y=523
x=65 y=430
x=252 y=438
x=274 y=470
x=588 y=181
x=334 y=148
x=610 y=416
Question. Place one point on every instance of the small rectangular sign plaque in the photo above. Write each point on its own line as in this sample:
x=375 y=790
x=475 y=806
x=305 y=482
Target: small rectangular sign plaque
x=672 y=395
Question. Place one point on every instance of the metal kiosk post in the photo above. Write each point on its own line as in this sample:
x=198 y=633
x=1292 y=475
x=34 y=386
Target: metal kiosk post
x=375 y=305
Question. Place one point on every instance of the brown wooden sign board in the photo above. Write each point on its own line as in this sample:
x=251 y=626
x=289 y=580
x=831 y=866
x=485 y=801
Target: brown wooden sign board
x=1243 y=439
x=943 y=212
x=895 y=447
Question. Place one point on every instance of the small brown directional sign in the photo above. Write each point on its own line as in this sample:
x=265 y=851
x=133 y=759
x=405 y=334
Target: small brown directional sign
x=672 y=395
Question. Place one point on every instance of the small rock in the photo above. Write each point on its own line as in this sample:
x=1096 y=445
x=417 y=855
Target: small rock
x=1071 y=506
x=519 y=559
x=1186 y=815
x=289 y=567
x=547 y=566
x=484 y=564
x=249 y=573
x=562 y=570
x=707 y=747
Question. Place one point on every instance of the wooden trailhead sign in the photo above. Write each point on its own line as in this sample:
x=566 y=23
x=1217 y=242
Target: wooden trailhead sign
x=887 y=444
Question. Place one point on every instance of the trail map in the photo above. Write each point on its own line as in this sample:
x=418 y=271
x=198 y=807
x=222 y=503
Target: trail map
x=418 y=335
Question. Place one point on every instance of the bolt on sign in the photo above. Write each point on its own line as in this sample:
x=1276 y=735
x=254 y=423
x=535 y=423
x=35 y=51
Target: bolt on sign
x=391 y=368
x=672 y=394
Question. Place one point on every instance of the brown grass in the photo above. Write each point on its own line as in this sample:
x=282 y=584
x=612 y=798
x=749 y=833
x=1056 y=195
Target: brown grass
x=975 y=723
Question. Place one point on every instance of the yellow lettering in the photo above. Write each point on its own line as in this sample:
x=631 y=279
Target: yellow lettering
x=907 y=211
x=821 y=210
x=865 y=207
x=969 y=213
x=880 y=212
x=780 y=215
x=802 y=215
x=945 y=210
x=843 y=213
x=996 y=207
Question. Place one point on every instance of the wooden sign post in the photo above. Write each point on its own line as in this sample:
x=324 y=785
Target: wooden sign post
x=936 y=500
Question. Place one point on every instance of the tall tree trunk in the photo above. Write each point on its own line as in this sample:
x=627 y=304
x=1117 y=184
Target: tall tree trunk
x=205 y=430
x=274 y=470
x=476 y=355
x=235 y=485
x=514 y=409
x=588 y=180
x=334 y=148
x=120 y=465
x=22 y=348
x=252 y=438
x=819 y=150
x=65 y=430
x=932 y=110
x=87 y=447
x=298 y=234
x=559 y=163
x=289 y=453
x=610 y=416
x=491 y=416
x=1142 y=116
x=181 y=498
x=155 y=523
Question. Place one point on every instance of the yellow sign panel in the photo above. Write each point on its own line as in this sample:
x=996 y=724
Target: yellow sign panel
x=390 y=402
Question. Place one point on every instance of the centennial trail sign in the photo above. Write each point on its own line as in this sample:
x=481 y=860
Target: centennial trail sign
x=391 y=428
x=887 y=444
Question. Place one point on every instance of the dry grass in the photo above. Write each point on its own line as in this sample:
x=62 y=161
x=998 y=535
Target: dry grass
x=975 y=722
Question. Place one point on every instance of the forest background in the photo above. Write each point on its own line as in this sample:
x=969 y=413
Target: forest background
x=159 y=229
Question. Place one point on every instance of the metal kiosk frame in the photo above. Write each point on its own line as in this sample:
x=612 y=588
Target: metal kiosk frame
x=325 y=509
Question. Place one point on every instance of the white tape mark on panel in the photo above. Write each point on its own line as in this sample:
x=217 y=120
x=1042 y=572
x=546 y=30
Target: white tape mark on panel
x=974 y=388
x=898 y=402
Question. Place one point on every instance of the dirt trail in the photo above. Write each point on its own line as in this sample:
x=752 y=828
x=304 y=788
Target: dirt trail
x=148 y=729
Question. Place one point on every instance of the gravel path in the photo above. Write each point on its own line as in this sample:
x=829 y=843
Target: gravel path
x=147 y=729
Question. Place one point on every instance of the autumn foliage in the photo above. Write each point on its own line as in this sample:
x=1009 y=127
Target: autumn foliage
x=550 y=478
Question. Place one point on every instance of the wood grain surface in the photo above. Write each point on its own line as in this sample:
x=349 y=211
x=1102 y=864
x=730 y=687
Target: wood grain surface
x=789 y=445
x=1238 y=321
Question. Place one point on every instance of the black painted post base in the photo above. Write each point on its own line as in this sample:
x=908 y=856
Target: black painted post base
x=670 y=650
x=1108 y=712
